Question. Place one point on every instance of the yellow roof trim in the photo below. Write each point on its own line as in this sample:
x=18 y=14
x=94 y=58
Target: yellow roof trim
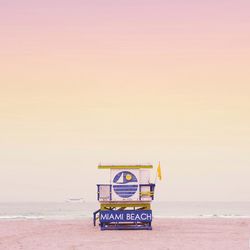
x=124 y=166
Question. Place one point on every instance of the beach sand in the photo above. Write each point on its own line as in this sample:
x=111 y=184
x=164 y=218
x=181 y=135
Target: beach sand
x=171 y=234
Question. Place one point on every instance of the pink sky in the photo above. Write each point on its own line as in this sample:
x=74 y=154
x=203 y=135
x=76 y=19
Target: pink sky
x=84 y=82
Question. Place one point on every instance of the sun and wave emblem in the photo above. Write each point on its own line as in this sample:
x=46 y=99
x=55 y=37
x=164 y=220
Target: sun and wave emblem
x=125 y=184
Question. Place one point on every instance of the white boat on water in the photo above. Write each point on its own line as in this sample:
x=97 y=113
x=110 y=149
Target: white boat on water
x=76 y=200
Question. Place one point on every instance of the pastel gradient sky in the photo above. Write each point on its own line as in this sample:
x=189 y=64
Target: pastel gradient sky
x=122 y=81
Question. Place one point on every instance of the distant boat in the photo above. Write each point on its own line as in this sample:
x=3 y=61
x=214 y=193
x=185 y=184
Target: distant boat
x=76 y=200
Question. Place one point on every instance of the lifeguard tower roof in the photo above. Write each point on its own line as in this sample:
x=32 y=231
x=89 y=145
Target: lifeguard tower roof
x=124 y=166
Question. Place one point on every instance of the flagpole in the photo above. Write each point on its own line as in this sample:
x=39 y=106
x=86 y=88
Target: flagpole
x=157 y=172
x=156 y=177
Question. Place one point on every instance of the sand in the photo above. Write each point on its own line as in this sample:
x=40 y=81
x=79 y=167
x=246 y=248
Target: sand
x=171 y=234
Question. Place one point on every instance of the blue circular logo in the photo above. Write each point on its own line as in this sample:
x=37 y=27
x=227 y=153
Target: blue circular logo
x=124 y=186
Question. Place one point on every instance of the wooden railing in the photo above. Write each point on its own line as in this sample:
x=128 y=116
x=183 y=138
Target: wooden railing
x=104 y=192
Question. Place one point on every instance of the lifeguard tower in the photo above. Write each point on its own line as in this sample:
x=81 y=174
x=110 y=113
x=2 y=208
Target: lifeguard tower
x=125 y=202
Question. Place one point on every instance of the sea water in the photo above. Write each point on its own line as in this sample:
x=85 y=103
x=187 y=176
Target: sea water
x=81 y=210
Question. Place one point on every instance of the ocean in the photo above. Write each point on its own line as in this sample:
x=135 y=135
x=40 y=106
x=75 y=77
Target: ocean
x=74 y=210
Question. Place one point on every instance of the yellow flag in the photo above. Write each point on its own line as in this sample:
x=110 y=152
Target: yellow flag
x=159 y=171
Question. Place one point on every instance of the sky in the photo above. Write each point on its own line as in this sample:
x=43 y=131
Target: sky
x=122 y=81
